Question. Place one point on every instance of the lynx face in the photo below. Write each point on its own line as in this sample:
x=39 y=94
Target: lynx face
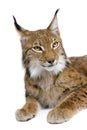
x=42 y=49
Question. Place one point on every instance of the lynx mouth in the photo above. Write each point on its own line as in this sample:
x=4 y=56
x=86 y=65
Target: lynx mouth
x=49 y=67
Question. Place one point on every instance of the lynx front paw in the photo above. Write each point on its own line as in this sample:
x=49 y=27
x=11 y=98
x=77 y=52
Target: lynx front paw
x=23 y=115
x=57 y=116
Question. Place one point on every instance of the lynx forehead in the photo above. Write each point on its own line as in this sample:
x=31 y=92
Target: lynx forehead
x=50 y=79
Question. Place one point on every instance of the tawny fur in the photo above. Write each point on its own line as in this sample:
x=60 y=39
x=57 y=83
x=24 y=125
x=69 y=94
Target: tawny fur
x=80 y=64
x=52 y=80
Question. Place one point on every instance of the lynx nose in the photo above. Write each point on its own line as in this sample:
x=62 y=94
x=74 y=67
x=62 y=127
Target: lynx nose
x=51 y=61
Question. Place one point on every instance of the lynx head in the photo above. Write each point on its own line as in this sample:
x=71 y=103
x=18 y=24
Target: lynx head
x=42 y=49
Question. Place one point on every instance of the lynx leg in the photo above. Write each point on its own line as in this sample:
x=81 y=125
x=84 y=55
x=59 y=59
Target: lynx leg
x=28 y=111
x=76 y=101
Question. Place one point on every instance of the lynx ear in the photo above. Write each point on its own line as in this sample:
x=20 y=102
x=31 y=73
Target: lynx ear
x=19 y=29
x=54 y=25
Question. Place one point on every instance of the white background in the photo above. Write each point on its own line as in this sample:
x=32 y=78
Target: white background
x=33 y=15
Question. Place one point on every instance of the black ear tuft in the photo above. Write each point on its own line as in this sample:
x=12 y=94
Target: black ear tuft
x=57 y=11
x=18 y=27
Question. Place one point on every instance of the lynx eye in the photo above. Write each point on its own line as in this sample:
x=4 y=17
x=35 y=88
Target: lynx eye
x=37 y=48
x=55 y=45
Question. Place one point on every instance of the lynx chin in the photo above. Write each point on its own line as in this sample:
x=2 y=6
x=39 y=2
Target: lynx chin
x=52 y=80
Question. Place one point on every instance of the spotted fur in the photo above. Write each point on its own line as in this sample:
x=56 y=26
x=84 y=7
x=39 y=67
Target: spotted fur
x=52 y=80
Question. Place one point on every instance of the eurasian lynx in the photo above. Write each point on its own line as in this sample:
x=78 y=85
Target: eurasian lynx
x=51 y=80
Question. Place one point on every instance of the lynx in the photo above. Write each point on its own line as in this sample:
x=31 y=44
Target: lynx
x=52 y=80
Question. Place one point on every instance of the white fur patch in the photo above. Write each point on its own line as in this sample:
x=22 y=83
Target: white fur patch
x=59 y=67
x=36 y=70
x=24 y=39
